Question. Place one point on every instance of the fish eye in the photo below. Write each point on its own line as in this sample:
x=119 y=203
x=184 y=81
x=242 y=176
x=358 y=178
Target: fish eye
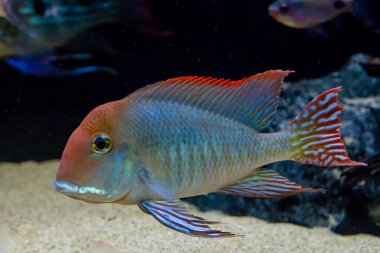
x=339 y=4
x=101 y=143
x=284 y=8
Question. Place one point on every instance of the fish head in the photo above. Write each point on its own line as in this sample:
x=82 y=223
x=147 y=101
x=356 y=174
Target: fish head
x=307 y=13
x=96 y=165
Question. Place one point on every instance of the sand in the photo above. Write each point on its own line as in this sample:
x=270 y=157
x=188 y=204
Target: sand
x=34 y=218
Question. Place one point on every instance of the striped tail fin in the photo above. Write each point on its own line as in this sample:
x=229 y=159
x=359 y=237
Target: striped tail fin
x=315 y=133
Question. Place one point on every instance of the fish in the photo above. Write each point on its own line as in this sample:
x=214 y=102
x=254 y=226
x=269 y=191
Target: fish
x=191 y=136
x=59 y=20
x=303 y=14
x=32 y=30
x=307 y=13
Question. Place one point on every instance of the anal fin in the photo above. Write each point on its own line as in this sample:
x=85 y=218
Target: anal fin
x=265 y=183
x=173 y=214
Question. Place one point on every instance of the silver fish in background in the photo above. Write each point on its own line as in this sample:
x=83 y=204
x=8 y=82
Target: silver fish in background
x=31 y=30
x=59 y=19
x=310 y=13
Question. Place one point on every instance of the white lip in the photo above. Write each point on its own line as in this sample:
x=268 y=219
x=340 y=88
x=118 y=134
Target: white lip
x=65 y=187
x=69 y=188
x=86 y=193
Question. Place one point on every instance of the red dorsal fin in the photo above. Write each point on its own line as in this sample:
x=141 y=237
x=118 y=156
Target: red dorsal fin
x=251 y=101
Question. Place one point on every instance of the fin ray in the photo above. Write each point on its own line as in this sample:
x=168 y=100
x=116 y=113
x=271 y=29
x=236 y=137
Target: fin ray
x=315 y=133
x=265 y=183
x=173 y=214
x=251 y=101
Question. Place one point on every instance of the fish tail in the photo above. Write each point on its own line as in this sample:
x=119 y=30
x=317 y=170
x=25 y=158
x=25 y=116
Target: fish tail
x=314 y=133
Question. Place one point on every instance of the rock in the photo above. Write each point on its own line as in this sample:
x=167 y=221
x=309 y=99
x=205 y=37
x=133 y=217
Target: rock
x=361 y=134
x=372 y=66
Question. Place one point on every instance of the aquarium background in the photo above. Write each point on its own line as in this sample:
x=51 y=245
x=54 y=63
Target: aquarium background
x=229 y=39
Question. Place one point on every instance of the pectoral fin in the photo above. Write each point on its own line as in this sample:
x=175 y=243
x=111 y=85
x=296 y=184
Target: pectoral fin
x=265 y=183
x=174 y=215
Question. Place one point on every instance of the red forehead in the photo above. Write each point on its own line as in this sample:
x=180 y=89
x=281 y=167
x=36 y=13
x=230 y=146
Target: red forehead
x=104 y=118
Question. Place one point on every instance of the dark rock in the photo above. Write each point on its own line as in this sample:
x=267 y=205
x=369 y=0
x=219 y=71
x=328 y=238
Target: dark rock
x=361 y=133
x=372 y=66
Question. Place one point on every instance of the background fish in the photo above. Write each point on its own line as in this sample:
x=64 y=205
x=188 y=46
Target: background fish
x=31 y=30
x=311 y=13
x=189 y=136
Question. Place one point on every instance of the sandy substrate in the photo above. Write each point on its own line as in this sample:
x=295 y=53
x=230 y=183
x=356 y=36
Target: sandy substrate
x=34 y=218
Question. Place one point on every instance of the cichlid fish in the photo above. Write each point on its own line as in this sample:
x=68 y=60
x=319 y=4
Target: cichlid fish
x=311 y=13
x=30 y=30
x=307 y=13
x=189 y=136
x=58 y=20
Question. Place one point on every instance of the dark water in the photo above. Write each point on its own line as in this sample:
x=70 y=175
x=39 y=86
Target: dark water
x=224 y=38
x=230 y=39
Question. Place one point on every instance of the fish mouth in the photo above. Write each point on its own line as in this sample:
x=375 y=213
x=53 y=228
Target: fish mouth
x=65 y=187
x=86 y=193
x=73 y=189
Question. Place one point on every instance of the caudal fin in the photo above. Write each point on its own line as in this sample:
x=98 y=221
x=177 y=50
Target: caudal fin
x=315 y=133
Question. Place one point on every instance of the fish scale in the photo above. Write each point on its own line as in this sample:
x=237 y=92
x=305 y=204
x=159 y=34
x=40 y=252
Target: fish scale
x=219 y=151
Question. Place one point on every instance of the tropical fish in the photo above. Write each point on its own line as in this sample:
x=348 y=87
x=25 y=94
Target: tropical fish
x=31 y=30
x=307 y=13
x=189 y=136
x=311 y=13
x=59 y=20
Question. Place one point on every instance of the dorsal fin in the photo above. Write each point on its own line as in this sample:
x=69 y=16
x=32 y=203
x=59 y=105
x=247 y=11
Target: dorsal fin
x=251 y=101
